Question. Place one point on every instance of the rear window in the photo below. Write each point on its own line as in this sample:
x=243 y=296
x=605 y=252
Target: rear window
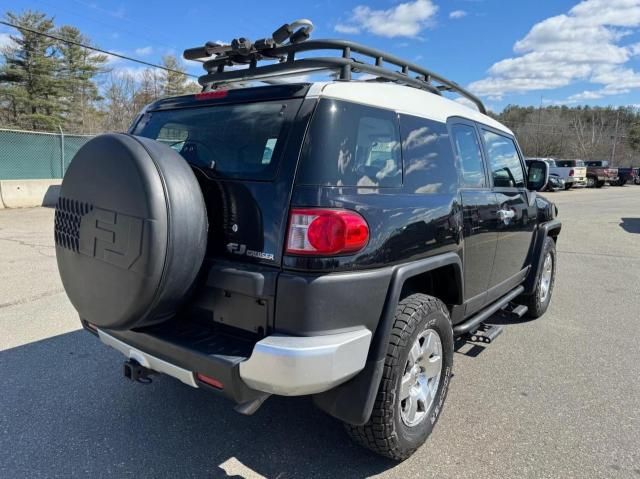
x=242 y=141
x=568 y=163
x=351 y=145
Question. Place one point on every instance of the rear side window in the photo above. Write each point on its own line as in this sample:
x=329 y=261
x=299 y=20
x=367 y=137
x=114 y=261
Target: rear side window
x=469 y=152
x=351 y=145
x=241 y=141
x=506 y=168
x=429 y=164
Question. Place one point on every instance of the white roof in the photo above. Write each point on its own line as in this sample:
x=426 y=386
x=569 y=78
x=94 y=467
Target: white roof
x=402 y=99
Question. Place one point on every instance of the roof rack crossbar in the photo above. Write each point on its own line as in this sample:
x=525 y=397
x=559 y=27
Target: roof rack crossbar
x=344 y=65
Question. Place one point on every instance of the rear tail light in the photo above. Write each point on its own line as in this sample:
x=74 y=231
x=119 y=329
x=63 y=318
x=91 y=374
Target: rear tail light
x=571 y=172
x=322 y=232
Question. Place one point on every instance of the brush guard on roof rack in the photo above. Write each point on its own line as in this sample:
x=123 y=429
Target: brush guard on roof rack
x=242 y=51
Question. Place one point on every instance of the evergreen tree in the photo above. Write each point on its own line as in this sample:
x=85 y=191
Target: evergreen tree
x=77 y=73
x=29 y=84
x=176 y=82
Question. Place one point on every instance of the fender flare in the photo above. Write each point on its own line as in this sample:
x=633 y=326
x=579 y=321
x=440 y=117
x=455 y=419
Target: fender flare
x=549 y=228
x=353 y=401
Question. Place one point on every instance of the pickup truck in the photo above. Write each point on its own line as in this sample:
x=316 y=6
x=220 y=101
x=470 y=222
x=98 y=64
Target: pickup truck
x=578 y=171
x=573 y=172
x=625 y=175
x=599 y=172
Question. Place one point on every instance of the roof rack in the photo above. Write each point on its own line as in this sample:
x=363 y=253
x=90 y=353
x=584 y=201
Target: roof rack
x=242 y=51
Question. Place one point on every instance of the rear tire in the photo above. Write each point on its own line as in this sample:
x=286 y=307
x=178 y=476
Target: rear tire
x=417 y=366
x=567 y=187
x=538 y=302
x=599 y=184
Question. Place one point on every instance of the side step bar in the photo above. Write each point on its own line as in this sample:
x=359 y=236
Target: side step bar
x=486 y=333
x=474 y=321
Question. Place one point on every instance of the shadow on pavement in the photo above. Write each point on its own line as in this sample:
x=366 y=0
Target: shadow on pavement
x=631 y=225
x=66 y=411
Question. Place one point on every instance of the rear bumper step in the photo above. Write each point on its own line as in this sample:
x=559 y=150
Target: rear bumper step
x=283 y=365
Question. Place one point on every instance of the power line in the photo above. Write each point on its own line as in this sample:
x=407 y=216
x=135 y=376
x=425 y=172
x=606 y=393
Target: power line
x=106 y=52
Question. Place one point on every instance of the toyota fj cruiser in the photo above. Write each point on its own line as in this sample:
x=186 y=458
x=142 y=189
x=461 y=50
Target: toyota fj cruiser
x=326 y=239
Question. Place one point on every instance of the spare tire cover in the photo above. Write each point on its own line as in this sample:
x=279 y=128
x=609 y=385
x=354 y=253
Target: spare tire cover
x=130 y=231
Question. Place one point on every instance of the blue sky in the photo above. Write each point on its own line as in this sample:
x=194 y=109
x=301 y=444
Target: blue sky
x=519 y=52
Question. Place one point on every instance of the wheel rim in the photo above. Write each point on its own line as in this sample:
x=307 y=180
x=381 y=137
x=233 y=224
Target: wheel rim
x=421 y=378
x=545 y=277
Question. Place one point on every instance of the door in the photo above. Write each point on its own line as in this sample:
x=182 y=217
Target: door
x=479 y=215
x=516 y=218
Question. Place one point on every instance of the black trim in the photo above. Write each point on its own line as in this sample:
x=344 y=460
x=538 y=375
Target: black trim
x=353 y=401
x=319 y=304
x=535 y=256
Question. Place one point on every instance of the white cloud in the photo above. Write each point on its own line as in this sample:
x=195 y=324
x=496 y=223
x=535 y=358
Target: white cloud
x=456 y=14
x=584 y=45
x=404 y=20
x=144 y=51
x=347 y=29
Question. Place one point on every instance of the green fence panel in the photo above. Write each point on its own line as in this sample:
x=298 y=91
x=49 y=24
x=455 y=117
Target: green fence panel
x=32 y=155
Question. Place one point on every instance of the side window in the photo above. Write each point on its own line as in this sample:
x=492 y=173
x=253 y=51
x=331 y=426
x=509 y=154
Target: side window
x=351 y=145
x=506 y=168
x=173 y=136
x=429 y=164
x=469 y=152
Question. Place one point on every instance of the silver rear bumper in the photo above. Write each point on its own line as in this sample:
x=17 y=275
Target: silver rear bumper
x=294 y=365
x=282 y=365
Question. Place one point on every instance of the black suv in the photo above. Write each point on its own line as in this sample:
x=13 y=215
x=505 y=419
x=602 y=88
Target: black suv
x=325 y=239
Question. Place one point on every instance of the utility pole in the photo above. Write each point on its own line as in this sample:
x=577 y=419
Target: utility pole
x=615 y=138
x=538 y=130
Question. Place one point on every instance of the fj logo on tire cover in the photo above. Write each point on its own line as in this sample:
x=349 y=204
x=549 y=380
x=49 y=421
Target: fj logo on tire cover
x=111 y=237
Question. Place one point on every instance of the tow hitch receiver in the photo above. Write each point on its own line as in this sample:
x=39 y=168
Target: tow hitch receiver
x=134 y=371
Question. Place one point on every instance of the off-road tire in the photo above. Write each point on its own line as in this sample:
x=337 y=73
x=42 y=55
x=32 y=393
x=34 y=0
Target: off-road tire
x=538 y=306
x=385 y=433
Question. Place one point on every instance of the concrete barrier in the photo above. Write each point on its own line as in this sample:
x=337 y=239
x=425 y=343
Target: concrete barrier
x=29 y=193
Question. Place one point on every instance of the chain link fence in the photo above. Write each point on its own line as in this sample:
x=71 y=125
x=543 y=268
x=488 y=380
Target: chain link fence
x=29 y=155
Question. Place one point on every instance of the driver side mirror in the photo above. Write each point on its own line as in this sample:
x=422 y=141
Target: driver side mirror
x=537 y=175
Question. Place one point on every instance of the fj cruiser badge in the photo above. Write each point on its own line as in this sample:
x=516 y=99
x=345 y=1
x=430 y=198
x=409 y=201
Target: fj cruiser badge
x=241 y=249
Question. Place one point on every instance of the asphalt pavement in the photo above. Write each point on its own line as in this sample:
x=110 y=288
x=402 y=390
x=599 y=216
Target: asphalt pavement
x=557 y=397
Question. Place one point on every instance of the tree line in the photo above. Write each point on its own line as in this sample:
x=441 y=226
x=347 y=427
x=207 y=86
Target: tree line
x=47 y=84
x=580 y=132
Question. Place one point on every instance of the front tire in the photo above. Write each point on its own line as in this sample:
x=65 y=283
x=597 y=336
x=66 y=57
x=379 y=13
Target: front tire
x=600 y=184
x=538 y=302
x=591 y=182
x=415 y=380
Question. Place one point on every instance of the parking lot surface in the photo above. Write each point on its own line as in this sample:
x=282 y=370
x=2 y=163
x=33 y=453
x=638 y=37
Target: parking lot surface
x=554 y=397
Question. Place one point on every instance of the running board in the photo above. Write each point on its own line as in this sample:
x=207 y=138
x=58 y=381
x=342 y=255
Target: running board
x=474 y=321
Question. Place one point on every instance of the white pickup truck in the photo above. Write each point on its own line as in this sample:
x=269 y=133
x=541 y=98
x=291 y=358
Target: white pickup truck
x=573 y=172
